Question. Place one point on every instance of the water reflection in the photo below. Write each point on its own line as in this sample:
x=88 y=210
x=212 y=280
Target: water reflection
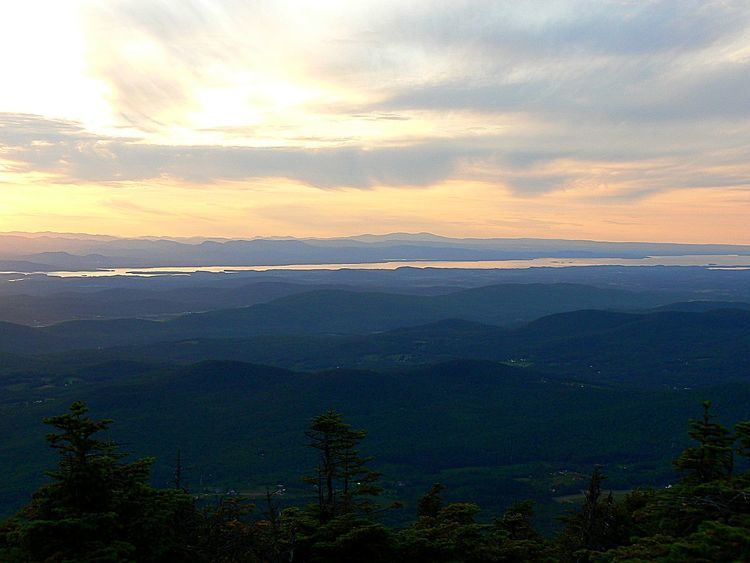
x=711 y=261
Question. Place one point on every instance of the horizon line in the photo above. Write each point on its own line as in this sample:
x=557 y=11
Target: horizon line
x=205 y=238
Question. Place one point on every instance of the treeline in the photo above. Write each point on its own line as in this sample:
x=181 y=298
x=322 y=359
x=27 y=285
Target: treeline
x=97 y=507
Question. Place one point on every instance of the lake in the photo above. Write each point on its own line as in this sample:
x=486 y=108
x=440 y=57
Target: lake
x=723 y=261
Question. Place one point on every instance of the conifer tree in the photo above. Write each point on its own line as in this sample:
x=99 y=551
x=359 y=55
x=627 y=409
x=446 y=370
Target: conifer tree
x=343 y=480
x=96 y=507
x=742 y=432
x=712 y=458
x=432 y=501
x=594 y=526
x=178 y=476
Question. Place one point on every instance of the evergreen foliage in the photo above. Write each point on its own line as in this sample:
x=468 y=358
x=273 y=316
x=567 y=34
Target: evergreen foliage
x=711 y=458
x=98 y=507
x=343 y=481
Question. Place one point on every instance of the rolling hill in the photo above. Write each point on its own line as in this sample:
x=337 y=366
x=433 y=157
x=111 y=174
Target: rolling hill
x=330 y=311
x=656 y=348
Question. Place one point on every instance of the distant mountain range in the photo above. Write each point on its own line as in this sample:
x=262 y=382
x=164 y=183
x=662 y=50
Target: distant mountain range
x=50 y=251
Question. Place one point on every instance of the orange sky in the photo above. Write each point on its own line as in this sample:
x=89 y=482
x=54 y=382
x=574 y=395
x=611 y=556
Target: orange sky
x=611 y=120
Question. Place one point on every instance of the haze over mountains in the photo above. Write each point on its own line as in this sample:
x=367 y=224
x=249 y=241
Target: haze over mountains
x=501 y=361
x=428 y=281
x=338 y=312
x=52 y=251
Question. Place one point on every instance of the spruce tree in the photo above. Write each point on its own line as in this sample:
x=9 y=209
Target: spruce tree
x=594 y=527
x=97 y=507
x=432 y=501
x=712 y=458
x=742 y=432
x=344 y=482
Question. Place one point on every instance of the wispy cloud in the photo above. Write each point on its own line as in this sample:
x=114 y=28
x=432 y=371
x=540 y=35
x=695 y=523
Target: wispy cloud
x=67 y=153
x=572 y=104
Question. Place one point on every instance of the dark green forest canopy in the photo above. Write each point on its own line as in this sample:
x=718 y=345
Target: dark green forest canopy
x=97 y=506
x=681 y=346
x=492 y=432
x=527 y=418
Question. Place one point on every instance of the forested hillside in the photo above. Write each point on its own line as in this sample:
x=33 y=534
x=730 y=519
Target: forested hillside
x=491 y=431
x=324 y=311
x=654 y=348
x=375 y=281
x=99 y=506
x=502 y=394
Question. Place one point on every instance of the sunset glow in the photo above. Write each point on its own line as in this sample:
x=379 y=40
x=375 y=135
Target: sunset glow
x=612 y=120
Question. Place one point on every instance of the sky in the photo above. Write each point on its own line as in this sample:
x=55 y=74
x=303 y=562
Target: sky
x=599 y=119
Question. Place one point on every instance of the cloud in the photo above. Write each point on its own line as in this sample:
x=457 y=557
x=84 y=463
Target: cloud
x=510 y=113
x=611 y=100
x=64 y=149
x=593 y=27
x=638 y=61
x=630 y=169
x=534 y=185
x=24 y=128
x=626 y=90
x=584 y=59
x=160 y=58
